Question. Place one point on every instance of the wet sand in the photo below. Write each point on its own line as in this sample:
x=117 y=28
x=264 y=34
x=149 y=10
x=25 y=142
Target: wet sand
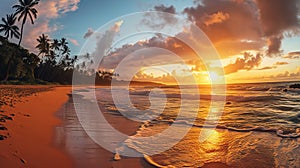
x=71 y=137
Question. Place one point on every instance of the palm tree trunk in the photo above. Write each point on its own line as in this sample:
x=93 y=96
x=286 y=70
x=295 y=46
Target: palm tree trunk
x=21 y=36
x=7 y=71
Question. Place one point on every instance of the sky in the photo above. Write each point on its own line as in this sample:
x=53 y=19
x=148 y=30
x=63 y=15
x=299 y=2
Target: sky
x=257 y=41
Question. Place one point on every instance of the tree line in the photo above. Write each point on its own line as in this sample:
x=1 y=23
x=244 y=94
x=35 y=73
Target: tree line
x=52 y=64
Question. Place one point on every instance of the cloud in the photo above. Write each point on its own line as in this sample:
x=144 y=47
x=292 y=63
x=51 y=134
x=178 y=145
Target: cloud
x=281 y=63
x=248 y=62
x=231 y=23
x=218 y=17
x=163 y=16
x=89 y=33
x=104 y=42
x=234 y=27
x=275 y=65
x=274 y=45
x=293 y=55
x=267 y=67
x=239 y=16
x=65 y=6
x=48 y=10
x=276 y=18
x=171 y=9
x=287 y=74
x=74 y=42
x=234 y=21
x=154 y=57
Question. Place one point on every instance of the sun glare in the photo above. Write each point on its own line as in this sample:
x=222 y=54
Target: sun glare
x=215 y=78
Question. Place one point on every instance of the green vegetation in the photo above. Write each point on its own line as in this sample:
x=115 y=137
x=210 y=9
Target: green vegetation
x=52 y=65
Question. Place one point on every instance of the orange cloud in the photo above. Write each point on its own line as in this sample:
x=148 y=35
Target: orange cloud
x=218 y=17
x=293 y=55
x=236 y=20
x=281 y=63
x=74 y=42
x=248 y=62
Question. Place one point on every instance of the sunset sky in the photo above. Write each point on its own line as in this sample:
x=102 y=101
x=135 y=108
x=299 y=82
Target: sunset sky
x=257 y=40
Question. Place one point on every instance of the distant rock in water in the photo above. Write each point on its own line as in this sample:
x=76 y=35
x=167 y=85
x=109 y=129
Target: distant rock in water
x=295 y=86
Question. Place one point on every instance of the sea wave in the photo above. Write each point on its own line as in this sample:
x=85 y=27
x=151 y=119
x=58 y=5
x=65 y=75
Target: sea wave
x=279 y=132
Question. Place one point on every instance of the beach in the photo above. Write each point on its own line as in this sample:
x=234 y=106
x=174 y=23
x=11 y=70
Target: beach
x=31 y=138
x=30 y=133
x=42 y=129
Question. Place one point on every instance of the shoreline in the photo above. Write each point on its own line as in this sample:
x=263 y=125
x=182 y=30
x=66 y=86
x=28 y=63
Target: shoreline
x=70 y=129
x=30 y=134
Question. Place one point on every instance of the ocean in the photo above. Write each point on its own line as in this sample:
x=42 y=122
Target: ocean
x=252 y=125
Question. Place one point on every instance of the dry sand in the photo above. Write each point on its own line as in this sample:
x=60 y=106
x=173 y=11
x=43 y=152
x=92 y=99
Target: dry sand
x=29 y=140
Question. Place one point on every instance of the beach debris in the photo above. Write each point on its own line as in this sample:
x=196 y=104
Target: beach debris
x=27 y=115
x=4 y=117
x=2 y=127
x=117 y=157
x=12 y=115
x=8 y=118
x=21 y=159
x=2 y=137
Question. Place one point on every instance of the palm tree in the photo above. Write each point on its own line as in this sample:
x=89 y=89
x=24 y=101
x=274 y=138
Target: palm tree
x=24 y=9
x=64 y=49
x=55 y=45
x=44 y=45
x=9 y=28
x=64 y=44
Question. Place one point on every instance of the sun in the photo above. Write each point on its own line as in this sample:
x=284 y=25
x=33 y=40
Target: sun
x=215 y=78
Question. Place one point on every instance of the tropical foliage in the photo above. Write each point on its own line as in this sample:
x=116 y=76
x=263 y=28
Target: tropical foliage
x=26 y=9
x=9 y=28
x=53 y=63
